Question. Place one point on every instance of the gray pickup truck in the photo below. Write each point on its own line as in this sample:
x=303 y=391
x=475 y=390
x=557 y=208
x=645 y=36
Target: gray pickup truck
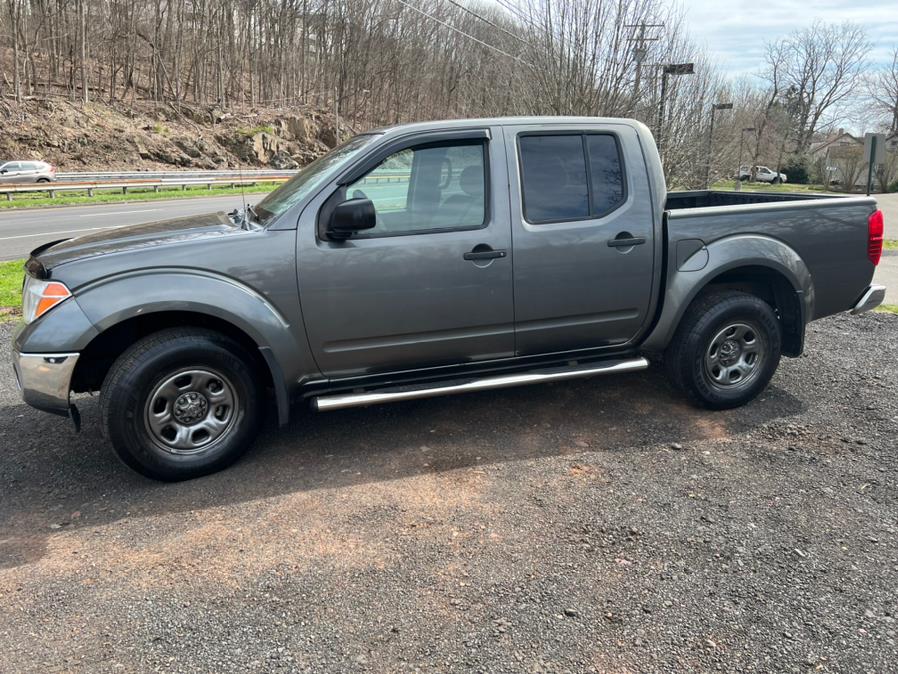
x=430 y=259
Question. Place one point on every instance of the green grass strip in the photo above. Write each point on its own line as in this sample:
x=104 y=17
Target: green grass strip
x=11 y=274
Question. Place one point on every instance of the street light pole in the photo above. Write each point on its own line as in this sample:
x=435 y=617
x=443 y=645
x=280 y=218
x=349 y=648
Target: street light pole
x=714 y=108
x=668 y=69
x=750 y=129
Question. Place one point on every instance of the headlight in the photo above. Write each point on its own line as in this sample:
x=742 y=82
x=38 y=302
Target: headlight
x=38 y=297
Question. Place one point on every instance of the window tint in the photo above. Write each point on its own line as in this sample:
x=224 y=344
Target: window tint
x=428 y=188
x=606 y=174
x=13 y=166
x=570 y=177
x=554 y=176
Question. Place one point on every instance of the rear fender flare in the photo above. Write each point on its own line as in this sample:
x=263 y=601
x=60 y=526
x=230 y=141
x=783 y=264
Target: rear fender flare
x=725 y=255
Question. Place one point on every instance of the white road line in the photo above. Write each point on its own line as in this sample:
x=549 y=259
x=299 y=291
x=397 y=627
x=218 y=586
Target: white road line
x=93 y=215
x=65 y=231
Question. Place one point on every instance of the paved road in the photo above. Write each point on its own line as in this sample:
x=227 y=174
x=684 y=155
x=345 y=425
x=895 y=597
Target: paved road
x=24 y=230
x=888 y=204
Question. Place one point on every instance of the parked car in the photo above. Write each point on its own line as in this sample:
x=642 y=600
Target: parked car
x=27 y=171
x=761 y=174
x=430 y=259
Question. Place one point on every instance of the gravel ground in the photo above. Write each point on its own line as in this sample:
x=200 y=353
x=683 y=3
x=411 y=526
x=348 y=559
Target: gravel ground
x=596 y=525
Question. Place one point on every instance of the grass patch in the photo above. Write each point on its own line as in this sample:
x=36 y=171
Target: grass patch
x=247 y=132
x=888 y=308
x=766 y=187
x=38 y=200
x=890 y=244
x=11 y=274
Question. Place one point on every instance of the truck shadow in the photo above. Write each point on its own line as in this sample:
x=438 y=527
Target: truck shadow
x=54 y=479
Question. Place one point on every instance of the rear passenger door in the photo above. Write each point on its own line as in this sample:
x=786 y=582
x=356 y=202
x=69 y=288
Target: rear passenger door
x=582 y=225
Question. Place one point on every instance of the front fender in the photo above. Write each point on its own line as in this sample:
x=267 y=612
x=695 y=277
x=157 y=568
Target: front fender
x=725 y=255
x=112 y=300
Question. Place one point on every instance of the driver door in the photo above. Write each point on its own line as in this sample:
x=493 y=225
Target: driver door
x=431 y=283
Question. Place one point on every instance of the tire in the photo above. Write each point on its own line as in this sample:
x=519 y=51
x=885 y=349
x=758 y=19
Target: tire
x=725 y=350
x=777 y=181
x=43 y=180
x=182 y=403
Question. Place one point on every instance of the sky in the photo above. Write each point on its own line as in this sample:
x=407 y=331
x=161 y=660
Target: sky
x=735 y=31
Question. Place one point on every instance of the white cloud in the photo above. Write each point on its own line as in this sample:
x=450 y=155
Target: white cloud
x=736 y=32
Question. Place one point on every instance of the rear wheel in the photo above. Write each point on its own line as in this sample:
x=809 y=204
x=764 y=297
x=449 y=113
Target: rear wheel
x=182 y=403
x=43 y=180
x=726 y=349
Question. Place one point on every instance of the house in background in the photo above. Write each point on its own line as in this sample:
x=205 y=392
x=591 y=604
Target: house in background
x=838 y=160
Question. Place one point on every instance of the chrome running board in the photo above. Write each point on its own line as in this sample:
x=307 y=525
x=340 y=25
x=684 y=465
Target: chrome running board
x=341 y=401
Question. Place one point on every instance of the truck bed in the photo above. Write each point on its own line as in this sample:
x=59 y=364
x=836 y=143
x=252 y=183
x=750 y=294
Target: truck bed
x=829 y=233
x=709 y=198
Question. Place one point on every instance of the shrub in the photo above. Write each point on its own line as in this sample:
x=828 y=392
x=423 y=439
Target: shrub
x=797 y=171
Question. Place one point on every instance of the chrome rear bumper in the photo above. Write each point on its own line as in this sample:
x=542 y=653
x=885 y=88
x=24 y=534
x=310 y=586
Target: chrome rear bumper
x=45 y=379
x=872 y=298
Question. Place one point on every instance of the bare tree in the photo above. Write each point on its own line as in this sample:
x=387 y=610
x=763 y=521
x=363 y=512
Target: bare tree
x=883 y=91
x=814 y=71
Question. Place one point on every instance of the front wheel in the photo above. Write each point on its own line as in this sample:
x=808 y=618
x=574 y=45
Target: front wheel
x=777 y=181
x=726 y=349
x=182 y=403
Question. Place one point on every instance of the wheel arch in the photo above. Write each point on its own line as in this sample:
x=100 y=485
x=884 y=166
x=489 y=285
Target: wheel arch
x=760 y=265
x=125 y=309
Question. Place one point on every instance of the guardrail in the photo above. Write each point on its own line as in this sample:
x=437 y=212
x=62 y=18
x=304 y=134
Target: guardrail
x=106 y=176
x=52 y=188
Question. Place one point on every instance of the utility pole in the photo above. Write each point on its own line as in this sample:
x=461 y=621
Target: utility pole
x=747 y=129
x=640 y=51
x=714 y=108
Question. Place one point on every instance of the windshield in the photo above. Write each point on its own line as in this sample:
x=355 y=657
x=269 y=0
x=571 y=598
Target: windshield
x=309 y=179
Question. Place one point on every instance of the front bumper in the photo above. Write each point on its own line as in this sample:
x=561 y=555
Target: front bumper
x=45 y=379
x=872 y=298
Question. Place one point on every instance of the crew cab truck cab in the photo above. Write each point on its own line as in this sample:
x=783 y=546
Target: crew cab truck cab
x=429 y=259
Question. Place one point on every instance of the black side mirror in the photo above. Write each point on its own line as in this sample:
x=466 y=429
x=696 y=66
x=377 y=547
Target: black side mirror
x=350 y=217
x=3 y=171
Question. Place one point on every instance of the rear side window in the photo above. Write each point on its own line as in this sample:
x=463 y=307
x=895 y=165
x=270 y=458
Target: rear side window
x=569 y=177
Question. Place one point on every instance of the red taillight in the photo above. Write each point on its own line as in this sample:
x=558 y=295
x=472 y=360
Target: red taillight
x=874 y=236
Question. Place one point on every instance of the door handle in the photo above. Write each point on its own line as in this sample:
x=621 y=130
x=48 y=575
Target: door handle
x=626 y=240
x=484 y=252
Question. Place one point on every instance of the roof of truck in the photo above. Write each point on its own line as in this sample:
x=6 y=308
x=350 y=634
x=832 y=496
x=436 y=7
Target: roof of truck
x=504 y=121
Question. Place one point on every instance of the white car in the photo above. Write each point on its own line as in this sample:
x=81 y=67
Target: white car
x=762 y=174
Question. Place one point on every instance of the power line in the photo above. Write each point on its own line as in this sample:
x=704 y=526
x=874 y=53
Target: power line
x=492 y=23
x=467 y=35
x=516 y=11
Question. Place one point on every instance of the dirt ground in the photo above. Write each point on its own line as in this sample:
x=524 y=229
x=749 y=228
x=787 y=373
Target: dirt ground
x=599 y=525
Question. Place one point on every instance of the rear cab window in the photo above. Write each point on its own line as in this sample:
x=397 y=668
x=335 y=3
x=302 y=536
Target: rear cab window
x=570 y=176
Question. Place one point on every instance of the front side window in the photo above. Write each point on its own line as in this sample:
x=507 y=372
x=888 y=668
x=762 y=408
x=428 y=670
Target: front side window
x=428 y=188
x=568 y=177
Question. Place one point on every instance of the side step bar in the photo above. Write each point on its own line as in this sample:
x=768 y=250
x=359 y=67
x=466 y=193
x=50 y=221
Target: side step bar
x=341 y=401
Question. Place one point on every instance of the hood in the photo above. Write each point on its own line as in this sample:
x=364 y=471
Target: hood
x=133 y=237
